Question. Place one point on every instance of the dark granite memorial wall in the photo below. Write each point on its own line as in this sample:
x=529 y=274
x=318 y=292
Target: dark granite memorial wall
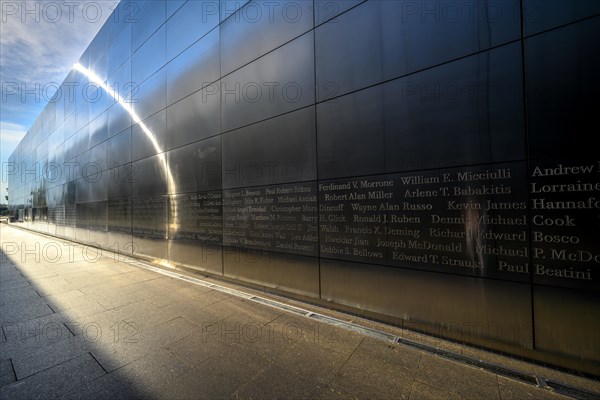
x=430 y=164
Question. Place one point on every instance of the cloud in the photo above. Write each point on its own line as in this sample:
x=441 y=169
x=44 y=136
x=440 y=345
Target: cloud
x=11 y=133
x=39 y=44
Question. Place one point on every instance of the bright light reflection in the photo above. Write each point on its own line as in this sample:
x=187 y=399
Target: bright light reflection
x=136 y=120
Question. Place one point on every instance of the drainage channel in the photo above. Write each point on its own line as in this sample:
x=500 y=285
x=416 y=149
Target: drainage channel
x=547 y=384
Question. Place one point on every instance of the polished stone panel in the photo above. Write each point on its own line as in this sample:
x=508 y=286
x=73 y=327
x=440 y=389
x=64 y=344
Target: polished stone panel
x=452 y=30
x=82 y=140
x=98 y=212
x=149 y=226
x=228 y=7
x=150 y=97
x=119 y=225
x=196 y=256
x=196 y=217
x=564 y=222
x=98 y=186
x=455 y=114
x=119 y=181
x=55 y=196
x=558 y=124
x=69 y=146
x=288 y=272
x=98 y=102
x=291 y=157
x=196 y=167
x=150 y=57
x=279 y=218
x=118 y=119
x=149 y=176
x=98 y=56
x=119 y=149
x=481 y=311
x=173 y=6
x=467 y=221
x=81 y=232
x=541 y=15
x=560 y=314
x=279 y=82
x=98 y=128
x=145 y=17
x=119 y=43
x=148 y=137
x=96 y=160
x=345 y=149
x=266 y=25
x=326 y=10
x=196 y=230
x=194 y=118
x=119 y=215
x=195 y=68
x=189 y=23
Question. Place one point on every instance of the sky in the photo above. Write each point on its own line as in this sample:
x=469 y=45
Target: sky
x=39 y=43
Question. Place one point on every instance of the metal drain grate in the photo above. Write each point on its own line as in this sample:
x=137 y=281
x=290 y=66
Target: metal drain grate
x=506 y=372
x=572 y=392
x=552 y=386
x=353 y=327
x=279 y=305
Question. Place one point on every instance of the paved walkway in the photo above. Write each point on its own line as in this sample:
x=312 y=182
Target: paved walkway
x=76 y=327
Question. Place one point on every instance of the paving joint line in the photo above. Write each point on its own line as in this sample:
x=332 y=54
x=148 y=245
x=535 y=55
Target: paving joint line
x=547 y=384
x=534 y=380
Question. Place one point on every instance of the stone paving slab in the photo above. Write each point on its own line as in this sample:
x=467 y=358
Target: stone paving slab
x=77 y=329
x=55 y=381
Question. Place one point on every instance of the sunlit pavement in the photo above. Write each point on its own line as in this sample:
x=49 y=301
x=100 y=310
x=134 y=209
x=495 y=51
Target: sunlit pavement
x=80 y=324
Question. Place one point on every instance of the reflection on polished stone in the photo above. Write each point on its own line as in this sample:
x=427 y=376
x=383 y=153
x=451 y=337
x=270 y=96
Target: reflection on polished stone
x=277 y=218
x=468 y=221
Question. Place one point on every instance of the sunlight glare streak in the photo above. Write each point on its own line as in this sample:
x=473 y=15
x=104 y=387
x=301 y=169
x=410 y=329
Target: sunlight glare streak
x=136 y=120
